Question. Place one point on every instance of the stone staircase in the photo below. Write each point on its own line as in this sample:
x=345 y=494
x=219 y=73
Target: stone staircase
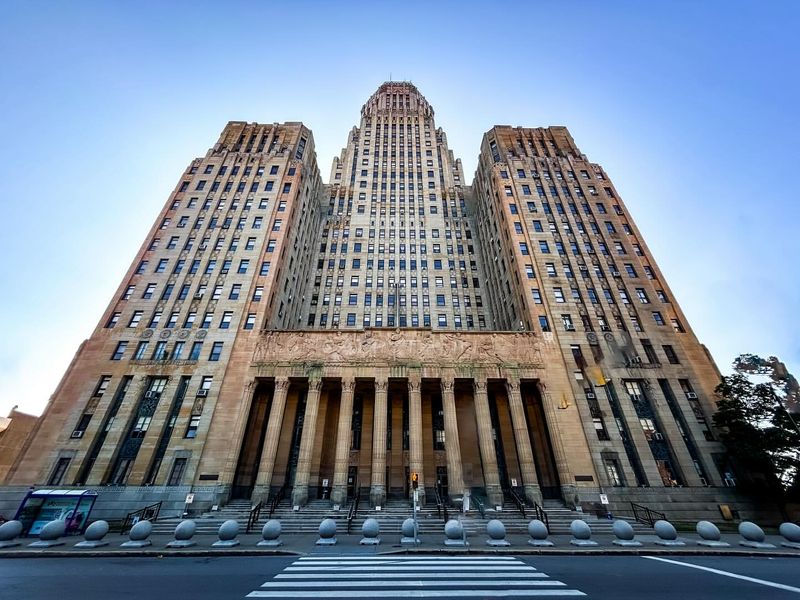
x=306 y=520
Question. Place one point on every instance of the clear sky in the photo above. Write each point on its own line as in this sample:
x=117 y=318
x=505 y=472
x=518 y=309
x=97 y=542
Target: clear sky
x=691 y=107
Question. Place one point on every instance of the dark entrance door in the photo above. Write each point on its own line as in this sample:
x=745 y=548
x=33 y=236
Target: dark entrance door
x=352 y=481
x=441 y=482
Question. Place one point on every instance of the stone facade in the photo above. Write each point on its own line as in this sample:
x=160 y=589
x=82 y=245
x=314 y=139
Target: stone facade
x=277 y=333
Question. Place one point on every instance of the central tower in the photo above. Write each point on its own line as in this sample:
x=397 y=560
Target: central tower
x=397 y=243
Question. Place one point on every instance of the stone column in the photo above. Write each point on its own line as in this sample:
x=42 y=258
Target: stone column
x=300 y=490
x=271 y=438
x=523 y=441
x=494 y=493
x=415 y=458
x=343 y=435
x=377 y=490
x=455 y=477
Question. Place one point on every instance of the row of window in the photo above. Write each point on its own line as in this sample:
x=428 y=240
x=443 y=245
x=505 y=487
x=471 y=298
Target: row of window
x=401 y=320
x=160 y=351
x=149 y=292
x=194 y=266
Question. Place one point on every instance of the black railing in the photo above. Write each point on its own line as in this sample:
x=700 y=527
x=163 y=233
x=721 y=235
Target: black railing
x=148 y=513
x=276 y=499
x=255 y=513
x=647 y=515
x=481 y=508
x=441 y=507
x=518 y=502
x=353 y=512
x=540 y=514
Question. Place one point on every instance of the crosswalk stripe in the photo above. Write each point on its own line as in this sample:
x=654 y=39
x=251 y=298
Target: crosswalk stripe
x=427 y=574
x=367 y=563
x=409 y=583
x=414 y=593
x=405 y=557
x=407 y=568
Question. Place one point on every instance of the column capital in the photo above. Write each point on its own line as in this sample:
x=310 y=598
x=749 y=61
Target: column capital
x=282 y=383
x=512 y=385
x=447 y=384
x=381 y=385
x=315 y=384
x=414 y=384
x=348 y=385
x=480 y=385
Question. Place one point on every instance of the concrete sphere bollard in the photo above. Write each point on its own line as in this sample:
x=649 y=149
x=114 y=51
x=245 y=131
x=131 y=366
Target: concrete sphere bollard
x=184 y=533
x=710 y=535
x=788 y=530
x=623 y=530
x=538 y=532
x=580 y=530
x=708 y=531
x=409 y=528
x=369 y=532
x=753 y=535
x=624 y=534
x=751 y=532
x=138 y=535
x=454 y=533
x=327 y=533
x=581 y=533
x=93 y=538
x=227 y=534
x=8 y=532
x=270 y=534
x=667 y=535
x=49 y=534
x=141 y=531
x=497 y=533
x=665 y=530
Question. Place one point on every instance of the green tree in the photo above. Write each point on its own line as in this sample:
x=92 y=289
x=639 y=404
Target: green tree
x=755 y=417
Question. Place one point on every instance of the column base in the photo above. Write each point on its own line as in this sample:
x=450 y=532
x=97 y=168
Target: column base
x=420 y=496
x=339 y=495
x=494 y=495
x=377 y=495
x=300 y=495
x=533 y=493
x=260 y=494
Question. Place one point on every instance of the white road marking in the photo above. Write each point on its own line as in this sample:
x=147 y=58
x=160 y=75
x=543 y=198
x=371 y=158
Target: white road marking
x=408 y=583
x=405 y=557
x=374 y=563
x=415 y=593
x=406 y=568
x=773 y=584
x=427 y=574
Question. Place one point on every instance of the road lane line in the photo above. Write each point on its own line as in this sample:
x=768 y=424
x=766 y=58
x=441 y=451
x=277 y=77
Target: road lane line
x=779 y=586
x=431 y=575
x=413 y=593
x=412 y=583
x=384 y=568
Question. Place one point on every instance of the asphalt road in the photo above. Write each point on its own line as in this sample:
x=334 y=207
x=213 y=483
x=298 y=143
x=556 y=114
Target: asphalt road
x=596 y=577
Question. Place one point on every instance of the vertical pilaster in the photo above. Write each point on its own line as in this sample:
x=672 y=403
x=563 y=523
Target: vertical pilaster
x=271 y=439
x=300 y=489
x=483 y=418
x=523 y=441
x=343 y=435
x=377 y=491
x=415 y=459
x=455 y=476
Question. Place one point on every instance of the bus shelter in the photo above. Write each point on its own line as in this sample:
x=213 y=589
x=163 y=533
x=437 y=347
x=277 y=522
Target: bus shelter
x=39 y=507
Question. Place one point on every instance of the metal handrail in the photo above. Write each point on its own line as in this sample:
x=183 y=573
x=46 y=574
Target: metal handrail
x=276 y=499
x=518 y=501
x=647 y=515
x=441 y=507
x=148 y=513
x=541 y=515
x=481 y=508
x=353 y=512
x=255 y=513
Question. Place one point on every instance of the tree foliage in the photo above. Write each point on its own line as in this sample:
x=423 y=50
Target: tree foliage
x=757 y=427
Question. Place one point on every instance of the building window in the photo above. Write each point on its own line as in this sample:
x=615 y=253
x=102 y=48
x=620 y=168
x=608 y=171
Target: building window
x=176 y=475
x=264 y=268
x=669 y=352
x=216 y=351
x=119 y=351
x=543 y=323
x=243 y=265
x=59 y=470
x=250 y=321
x=658 y=318
x=113 y=320
x=227 y=316
x=194 y=354
x=258 y=293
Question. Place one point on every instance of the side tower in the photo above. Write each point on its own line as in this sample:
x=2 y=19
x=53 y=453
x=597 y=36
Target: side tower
x=227 y=256
x=565 y=259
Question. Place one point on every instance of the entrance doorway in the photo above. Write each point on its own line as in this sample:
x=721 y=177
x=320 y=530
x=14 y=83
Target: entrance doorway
x=250 y=453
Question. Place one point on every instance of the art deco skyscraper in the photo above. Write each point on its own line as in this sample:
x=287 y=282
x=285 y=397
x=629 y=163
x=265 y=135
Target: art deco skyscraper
x=275 y=336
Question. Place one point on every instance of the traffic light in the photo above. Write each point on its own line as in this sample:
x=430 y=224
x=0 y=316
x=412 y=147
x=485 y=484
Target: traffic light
x=415 y=480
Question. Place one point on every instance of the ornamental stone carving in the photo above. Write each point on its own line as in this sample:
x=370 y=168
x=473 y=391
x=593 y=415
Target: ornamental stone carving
x=409 y=347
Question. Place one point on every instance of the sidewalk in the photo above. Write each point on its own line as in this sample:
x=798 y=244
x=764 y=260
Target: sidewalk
x=295 y=544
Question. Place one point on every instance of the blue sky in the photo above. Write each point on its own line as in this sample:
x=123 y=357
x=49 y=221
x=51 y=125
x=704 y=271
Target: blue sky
x=692 y=108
